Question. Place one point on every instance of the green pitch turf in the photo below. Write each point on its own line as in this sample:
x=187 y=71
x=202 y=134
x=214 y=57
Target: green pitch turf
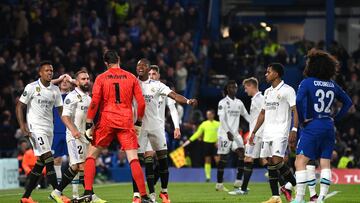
x=186 y=193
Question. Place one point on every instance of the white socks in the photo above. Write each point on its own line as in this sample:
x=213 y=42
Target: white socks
x=301 y=181
x=75 y=186
x=324 y=182
x=311 y=178
x=58 y=173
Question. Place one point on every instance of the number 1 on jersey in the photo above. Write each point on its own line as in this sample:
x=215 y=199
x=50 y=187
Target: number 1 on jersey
x=117 y=93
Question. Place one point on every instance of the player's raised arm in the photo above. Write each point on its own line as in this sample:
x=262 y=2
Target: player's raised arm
x=95 y=101
x=181 y=99
x=345 y=100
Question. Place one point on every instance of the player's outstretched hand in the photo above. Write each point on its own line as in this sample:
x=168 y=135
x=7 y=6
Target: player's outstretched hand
x=230 y=136
x=177 y=133
x=192 y=102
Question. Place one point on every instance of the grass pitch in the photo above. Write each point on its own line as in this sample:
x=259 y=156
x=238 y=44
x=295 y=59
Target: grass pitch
x=186 y=193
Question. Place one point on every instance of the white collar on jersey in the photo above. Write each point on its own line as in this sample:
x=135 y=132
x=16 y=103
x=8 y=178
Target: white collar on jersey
x=230 y=98
x=43 y=86
x=255 y=95
x=278 y=86
x=79 y=91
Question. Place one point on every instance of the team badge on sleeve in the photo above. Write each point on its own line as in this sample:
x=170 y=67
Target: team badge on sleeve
x=24 y=93
x=67 y=101
x=220 y=107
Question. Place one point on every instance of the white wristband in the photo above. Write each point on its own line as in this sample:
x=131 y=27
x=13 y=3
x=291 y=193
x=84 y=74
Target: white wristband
x=188 y=101
x=294 y=129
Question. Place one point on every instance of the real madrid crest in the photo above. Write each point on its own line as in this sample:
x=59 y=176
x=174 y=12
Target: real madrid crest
x=278 y=96
x=153 y=89
x=37 y=89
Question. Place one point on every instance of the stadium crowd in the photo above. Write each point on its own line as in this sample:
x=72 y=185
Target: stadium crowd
x=247 y=55
x=74 y=34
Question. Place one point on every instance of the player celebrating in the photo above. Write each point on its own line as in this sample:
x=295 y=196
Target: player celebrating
x=315 y=97
x=113 y=92
x=229 y=110
x=39 y=98
x=164 y=101
x=252 y=151
x=275 y=114
x=152 y=134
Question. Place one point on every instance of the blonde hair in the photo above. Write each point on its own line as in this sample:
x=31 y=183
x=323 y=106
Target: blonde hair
x=252 y=81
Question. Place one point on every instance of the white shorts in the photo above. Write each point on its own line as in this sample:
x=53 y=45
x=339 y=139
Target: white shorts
x=225 y=145
x=253 y=151
x=41 y=142
x=275 y=147
x=152 y=140
x=77 y=150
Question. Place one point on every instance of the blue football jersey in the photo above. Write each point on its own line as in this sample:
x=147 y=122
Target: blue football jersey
x=59 y=126
x=315 y=98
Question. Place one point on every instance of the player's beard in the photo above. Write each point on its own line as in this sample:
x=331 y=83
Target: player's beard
x=84 y=88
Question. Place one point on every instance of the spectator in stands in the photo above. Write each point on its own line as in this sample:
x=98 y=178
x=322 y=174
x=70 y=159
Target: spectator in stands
x=347 y=160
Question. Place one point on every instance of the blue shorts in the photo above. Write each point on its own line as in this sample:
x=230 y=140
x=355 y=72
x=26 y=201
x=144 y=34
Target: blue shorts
x=317 y=139
x=59 y=145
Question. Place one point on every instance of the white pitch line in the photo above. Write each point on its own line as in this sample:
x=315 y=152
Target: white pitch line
x=331 y=194
x=49 y=191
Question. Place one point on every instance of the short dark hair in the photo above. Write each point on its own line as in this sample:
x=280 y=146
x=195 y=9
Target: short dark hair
x=320 y=64
x=42 y=63
x=79 y=72
x=155 y=68
x=111 y=57
x=230 y=82
x=146 y=61
x=252 y=81
x=277 y=67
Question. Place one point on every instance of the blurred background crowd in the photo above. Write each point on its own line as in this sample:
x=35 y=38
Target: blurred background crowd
x=74 y=34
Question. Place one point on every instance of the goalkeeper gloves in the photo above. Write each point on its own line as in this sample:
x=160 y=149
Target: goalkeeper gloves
x=88 y=131
x=137 y=126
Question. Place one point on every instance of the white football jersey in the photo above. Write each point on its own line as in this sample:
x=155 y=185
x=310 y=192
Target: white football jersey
x=257 y=102
x=167 y=101
x=76 y=105
x=40 y=101
x=231 y=110
x=152 y=90
x=277 y=105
